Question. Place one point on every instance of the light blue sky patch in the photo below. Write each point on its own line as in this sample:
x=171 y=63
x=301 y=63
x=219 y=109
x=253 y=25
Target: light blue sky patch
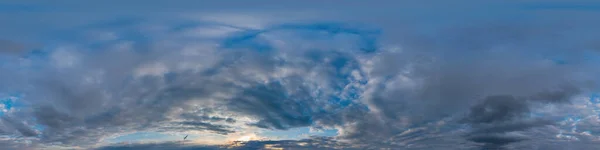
x=297 y=133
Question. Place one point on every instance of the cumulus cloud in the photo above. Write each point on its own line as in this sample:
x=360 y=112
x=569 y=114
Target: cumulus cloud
x=100 y=92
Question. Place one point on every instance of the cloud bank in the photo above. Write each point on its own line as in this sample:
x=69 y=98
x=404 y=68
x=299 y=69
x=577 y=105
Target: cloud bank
x=491 y=84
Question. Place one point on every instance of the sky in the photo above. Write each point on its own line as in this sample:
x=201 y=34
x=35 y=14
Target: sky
x=266 y=74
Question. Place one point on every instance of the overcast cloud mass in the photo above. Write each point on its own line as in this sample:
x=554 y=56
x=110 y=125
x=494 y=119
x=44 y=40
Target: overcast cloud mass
x=266 y=74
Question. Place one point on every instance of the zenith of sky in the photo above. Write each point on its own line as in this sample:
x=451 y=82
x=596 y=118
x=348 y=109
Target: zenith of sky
x=310 y=74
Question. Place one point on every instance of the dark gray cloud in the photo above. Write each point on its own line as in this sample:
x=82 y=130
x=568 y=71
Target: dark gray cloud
x=500 y=134
x=8 y=123
x=193 y=116
x=511 y=126
x=275 y=107
x=499 y=108
x=562 y=94
x=498 y=116
x=15 y=143
x=495 y=141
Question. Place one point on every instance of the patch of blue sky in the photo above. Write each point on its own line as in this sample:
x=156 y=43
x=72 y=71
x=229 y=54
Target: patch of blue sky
x=367 y=38
x=592 y=55
x=247 y=40
x=144 y=136
x=326 y=132
x=336 y=100
x=187 y=25
x=38 y=58
x=16 y=8
x=5 y=106
x=8 y=102
x=594 y=98
x=39 y=127
x=589 y=56
x=90 y=36
x=7 y=63
x=536 y=114
x=114 y=23
x=43 y=52
x=579 y=6
x=559 y=61
x=250 y=39
x=163 y=137
x=297 y=133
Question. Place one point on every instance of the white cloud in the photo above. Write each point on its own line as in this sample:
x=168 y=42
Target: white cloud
x=65 y=57
x=152 y=69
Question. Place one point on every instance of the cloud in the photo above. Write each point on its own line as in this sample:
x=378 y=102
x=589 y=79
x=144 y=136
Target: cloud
x=9 y=124
x=320 y=143
x=157 y=146
x=499 y=117
x=83 y=97
x=490 y=84
x=498 y=108
x=202 y=126
x=10 y=47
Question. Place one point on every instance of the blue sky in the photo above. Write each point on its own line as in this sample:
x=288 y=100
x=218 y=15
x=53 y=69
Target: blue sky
x=299 y=74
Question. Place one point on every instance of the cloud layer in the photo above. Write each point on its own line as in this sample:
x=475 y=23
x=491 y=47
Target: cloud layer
x=381 y=84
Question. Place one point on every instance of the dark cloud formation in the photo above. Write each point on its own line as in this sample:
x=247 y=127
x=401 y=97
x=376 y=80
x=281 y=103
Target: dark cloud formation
x=278 y=111
x=497 y=109
x=497 y=117
x=9 y=124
